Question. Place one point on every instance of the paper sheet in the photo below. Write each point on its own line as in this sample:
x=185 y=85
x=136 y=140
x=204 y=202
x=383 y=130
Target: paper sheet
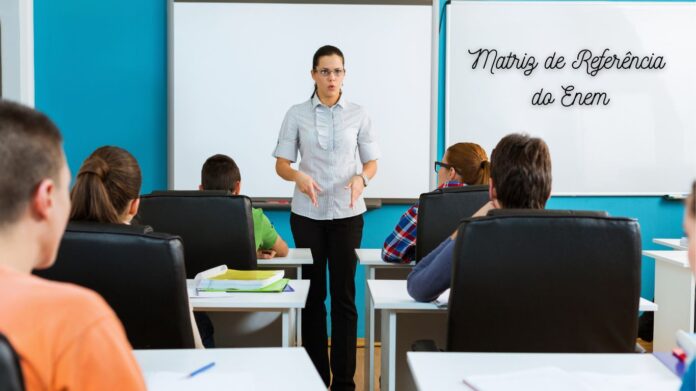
x=553 y=378
x=176 y=381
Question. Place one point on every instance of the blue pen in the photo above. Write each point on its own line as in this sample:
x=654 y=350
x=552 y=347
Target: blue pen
x=201 y=369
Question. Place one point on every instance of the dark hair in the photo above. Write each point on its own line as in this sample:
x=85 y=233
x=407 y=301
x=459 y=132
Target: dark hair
x=326 y=50
x=220 y=172
x=470 y=162
x=107 y=181
x=30 y=151
x=521 y=172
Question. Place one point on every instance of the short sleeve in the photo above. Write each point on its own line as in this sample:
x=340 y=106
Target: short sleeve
x=287 y=145
x=268 y=233
x=367 y=145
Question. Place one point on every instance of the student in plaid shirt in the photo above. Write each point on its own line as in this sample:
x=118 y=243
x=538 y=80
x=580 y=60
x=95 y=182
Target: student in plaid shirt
x=463 y=164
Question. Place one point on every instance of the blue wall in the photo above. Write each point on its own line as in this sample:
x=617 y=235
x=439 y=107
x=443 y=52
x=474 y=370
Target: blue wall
x=101 y=74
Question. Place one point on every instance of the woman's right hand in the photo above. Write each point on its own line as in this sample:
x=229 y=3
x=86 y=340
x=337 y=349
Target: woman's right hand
x=307 y=185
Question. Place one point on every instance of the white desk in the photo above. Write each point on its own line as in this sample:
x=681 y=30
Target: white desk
x=287 y=303
x=674 y=293
x=391 y=297
x=371 y=259
x=445 y=371
x=272 y=368
x=674 y=244
x=295 y=259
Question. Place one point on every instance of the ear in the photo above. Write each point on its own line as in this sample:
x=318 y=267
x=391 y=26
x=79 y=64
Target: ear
x=237 y=188
x=451 y=174
x=42 y=201
x=133 y=207
x=492 y=193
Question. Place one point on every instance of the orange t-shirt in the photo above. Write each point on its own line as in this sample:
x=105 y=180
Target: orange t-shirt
x=67 y=337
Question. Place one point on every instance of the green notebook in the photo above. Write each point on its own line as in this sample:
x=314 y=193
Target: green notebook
x=277 y=286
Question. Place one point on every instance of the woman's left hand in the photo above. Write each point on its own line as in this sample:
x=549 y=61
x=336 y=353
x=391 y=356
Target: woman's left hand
x=356 y=187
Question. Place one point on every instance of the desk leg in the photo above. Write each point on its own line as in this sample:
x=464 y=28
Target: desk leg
x=298 y=338
x=369 y=333
x=286 y=327
x=674 y=295
x=388 y=370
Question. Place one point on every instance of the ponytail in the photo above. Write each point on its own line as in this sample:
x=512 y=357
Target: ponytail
x=107 y=182
x=470 y=162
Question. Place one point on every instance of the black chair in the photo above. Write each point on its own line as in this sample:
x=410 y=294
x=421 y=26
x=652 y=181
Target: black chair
x=11 y=378
x=216 y=227
x=140 y=274
x=545 y=281
x=440 y=211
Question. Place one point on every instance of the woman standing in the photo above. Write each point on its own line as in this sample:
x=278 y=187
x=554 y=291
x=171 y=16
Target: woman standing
x=327 y=206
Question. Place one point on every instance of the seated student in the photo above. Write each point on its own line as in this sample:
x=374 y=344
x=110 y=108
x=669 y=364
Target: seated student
x=66 y=336
x=107 y=190
x=220 y=172
x=462 y=164
x=689 y=379
x=520 y=179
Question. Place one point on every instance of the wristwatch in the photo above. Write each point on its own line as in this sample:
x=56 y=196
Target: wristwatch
x=365 y=179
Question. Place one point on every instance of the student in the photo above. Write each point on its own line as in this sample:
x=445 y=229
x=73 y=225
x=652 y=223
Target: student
x=462 y=164
x=66 y=336
x=339 y=158
x=520 y=179
x=689 y=379
x=107 y=190
x=220 y=172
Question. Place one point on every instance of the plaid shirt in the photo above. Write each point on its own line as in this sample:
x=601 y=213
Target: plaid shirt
x=400 y=245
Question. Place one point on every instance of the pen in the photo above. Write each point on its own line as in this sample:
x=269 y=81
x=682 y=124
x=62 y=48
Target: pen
x=471 y=386
x=200 y=370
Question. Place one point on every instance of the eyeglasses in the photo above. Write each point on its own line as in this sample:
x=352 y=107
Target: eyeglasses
x=438 y=165
x=325 y=72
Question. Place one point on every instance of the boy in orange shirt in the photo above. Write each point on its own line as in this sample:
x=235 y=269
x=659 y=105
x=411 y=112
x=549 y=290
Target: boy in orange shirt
x=67 y=338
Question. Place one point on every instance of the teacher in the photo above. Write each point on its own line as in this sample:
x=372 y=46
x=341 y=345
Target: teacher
x=339 y=158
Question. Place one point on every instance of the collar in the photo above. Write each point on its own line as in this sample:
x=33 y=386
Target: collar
x=451 y=184
x=316 y=102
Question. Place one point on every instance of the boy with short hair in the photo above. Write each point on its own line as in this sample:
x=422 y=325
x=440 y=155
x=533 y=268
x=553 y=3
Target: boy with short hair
x=66 y=336
x=220 y=172
x=520 y=179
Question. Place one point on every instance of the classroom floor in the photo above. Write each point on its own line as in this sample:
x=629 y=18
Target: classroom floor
x=360 y=366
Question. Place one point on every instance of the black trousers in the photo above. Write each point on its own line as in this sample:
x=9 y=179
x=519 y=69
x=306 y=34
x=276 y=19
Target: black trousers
x=333 y=242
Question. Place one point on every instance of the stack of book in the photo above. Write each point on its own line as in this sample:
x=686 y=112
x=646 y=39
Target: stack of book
x=222 y=279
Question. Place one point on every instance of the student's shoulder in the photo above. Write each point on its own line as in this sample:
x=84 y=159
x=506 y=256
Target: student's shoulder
x=73 y=300
x=258 y=214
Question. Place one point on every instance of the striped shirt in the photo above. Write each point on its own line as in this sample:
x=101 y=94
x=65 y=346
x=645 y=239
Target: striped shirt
x=333 y=143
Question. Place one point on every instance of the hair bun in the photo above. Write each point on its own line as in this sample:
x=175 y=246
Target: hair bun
x=95 y=165
x=484 y=163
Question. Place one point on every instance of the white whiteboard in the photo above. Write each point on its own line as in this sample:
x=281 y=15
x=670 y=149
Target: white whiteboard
x=642 y=142
x=238 y=67
x=17 y=51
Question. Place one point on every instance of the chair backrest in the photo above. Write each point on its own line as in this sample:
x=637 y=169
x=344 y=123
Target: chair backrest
x=548 y=281
x=141 y=276
x=440 y=211
x=216 y=227
x=11 y=378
